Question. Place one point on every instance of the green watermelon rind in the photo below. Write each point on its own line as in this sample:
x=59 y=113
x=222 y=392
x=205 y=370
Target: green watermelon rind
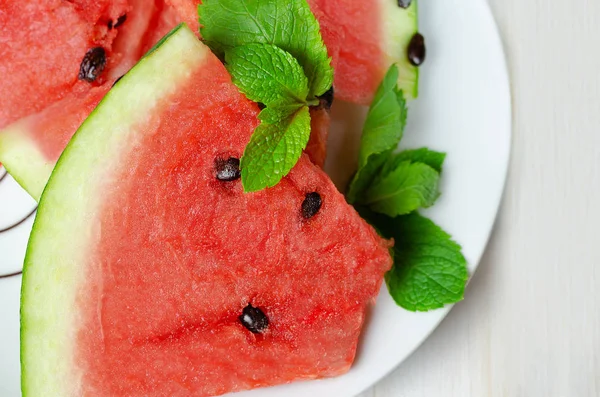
x=46 y=334
x=399 y=27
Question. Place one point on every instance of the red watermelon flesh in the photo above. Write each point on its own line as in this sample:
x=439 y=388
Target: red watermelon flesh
x=187 y=11
x=361 y=66
x=52 y=127
x=172 y=256
x=320 y=121
x=130 y=45
x=39 y=67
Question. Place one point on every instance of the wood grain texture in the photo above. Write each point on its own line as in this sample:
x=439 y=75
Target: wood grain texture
x=530 y=324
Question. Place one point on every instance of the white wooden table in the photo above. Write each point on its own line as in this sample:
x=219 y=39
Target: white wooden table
x=530 y=324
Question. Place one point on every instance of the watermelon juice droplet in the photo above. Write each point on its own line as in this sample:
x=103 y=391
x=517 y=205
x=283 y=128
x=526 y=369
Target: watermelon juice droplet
x=254 y=319
x=93 y=64
x=417 y=50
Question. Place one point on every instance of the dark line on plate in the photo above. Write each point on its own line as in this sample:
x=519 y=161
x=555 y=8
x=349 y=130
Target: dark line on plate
x=19 y=223
x=6 y=229
x=3 y=176
x=11 y=274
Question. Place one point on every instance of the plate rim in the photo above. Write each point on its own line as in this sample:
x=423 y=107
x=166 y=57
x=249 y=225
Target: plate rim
x=486 y=12
x=497 y=37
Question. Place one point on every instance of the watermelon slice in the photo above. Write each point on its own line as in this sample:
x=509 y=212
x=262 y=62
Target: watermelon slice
x=38 y=66
x=363 y=55
x=150 y=273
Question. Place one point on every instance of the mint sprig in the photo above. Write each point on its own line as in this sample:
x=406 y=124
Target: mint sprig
x=287 y=24
x=274 y=51
x=429 y=269
x=382 y=132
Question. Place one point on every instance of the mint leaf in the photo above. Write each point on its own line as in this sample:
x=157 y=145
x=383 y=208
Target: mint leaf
x=423 y=155
x=385 y=120
x=287 y=24
x=406 y=188
x=429 y=269
x=364 y=176
x=273 y=151
x=382 y=132
x=267 y=74
x=277 y=113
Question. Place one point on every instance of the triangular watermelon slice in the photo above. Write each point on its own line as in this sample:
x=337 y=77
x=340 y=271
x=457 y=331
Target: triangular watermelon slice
x=365 y=38
x=150 y=273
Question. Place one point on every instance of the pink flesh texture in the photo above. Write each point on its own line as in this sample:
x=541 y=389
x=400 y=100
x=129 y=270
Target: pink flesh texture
x=181 y=254
x=53 y=127
x=42 y=45
x=360 y=66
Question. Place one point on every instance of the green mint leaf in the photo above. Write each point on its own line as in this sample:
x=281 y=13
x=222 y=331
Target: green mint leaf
x=423 y=155
x=406 y=188
x=287 y=24
x=267 y=74
x=278 y=113
x=429 y=269
x=364 y=176
x=382 y=132
x=273 y=151
x=385 y=120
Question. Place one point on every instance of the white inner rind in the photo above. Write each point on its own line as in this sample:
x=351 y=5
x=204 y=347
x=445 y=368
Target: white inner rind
x=65 y=227
x=399 y=26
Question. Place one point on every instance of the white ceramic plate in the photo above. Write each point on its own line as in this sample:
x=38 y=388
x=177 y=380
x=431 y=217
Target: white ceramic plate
x=464 y=109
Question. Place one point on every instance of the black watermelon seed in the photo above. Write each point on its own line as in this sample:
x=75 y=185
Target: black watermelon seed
x=120 y=21
x=92 y=65
x=311 y=205
x=254 y=319
x=404 y=3
x=228 y=170
x=416 y=50
x=261 y=106
x=327 y=98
